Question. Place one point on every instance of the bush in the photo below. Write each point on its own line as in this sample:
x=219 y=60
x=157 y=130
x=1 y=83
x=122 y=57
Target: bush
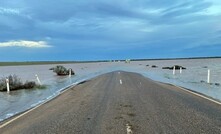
x=61 y=70
x=177 y=67
x=2 y=85
x=15 y=83
x=29 y=85
x=154 y=66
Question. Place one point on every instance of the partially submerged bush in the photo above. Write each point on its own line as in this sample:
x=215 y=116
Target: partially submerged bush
x=29 y=84
x=177 y=67
x=154 y=66
x=61 y=70
x=15 y=83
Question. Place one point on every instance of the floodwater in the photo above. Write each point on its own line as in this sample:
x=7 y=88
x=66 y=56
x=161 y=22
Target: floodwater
x=194 y=78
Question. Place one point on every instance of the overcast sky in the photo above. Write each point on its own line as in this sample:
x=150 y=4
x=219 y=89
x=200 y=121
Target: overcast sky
x=115 y=29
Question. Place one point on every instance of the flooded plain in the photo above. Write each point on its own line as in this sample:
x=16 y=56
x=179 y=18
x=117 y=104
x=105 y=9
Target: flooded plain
x=194 y=78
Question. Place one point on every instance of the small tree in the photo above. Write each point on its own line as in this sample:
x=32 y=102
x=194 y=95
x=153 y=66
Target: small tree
x=15 y=83
x=61 y=70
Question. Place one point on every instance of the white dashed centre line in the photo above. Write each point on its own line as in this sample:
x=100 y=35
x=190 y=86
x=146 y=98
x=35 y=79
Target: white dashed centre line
x=129 y=131
x=120 y=81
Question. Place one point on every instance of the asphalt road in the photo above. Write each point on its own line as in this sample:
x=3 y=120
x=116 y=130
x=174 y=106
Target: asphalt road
x=121 y=103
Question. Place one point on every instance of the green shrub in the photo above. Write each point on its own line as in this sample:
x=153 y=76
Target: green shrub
x=15 y=83
x=29 y=85
x=61 y=70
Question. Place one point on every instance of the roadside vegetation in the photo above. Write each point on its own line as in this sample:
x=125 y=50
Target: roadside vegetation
x=61 y=70
x=15 y=83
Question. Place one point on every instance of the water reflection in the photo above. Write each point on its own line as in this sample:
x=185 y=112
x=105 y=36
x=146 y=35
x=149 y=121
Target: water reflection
x=18 y=101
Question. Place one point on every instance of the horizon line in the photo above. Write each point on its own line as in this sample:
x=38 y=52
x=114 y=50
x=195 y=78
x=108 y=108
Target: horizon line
x=107 y=60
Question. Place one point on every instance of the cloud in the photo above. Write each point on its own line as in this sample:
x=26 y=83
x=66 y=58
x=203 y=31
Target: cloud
x=24 y=43
x=9 y=11
x=98 y=24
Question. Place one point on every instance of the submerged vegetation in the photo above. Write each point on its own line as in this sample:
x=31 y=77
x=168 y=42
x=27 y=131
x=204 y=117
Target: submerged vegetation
x=61 y=70
x=176 y=67
x=15 y=83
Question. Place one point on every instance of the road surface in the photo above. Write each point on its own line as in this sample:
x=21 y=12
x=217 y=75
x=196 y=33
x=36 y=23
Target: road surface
x=120 y=103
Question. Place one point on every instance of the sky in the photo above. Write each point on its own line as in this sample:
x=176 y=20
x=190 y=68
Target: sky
x=44 y=30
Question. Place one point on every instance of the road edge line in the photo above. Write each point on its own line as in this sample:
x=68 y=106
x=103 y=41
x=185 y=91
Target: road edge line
x=31 y=109
x=187 y=90
x=199 y=95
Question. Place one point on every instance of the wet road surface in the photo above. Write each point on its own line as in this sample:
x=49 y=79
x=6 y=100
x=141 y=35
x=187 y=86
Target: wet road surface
x=121 y=103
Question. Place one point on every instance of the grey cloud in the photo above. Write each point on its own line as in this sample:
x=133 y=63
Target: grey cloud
x=103 y=21
x=61 y=11
x=185 y=9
